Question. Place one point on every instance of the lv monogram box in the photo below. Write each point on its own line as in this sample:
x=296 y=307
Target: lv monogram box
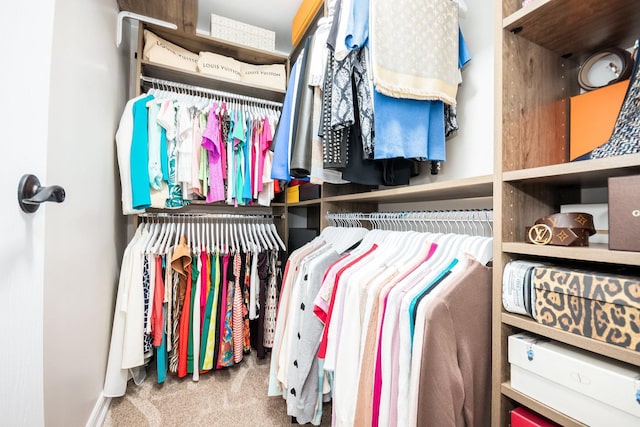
x=624 y=213
x=605 y=307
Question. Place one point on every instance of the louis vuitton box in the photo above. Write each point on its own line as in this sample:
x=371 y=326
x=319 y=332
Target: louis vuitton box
x=624 y=213
x=592 y=389
x=602 y=306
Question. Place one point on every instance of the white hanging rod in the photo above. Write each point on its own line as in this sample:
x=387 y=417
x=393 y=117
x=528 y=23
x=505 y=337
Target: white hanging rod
x=160 y=83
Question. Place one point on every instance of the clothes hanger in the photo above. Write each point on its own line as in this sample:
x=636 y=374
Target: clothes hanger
x=256 y=239
x=217 y=238
x=260 y=235
x=174 y=232
x=266 y=233
x=209 y=239
x=155 y=231
x=243 y=242
x=188 y=224
x=156 y=246
x=225 y=238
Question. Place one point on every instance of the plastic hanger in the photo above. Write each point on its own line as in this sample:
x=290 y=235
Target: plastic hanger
x=258 y=233
x=269 y=239
x=243 y=242
x=188 y=224
x=156 y=245
x=163 y=246
x=225 y=238
x=155 y=231
x=256 y=240
x=209 y=240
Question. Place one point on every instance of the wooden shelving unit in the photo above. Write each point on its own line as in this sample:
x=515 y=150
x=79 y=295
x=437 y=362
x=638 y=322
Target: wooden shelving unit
x=538 y=51
x=594 y=253
x=165 y=72
x=564 y=27
x=590 y=344
x=538 y=407
x=481 y=186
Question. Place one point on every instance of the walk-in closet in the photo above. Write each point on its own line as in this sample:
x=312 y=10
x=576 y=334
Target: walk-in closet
x=333 y=213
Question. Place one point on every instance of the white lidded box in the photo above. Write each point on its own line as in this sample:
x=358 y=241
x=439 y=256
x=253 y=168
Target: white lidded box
x=589 y=388
x=241 y=33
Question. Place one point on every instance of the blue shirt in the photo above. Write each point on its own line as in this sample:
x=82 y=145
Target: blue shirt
x=358 y=25
x=282 y=137
x=140 y=190
x=429 y=286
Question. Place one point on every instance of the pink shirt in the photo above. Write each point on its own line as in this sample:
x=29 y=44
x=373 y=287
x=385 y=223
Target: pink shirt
x=266 y=137
x=212 y=142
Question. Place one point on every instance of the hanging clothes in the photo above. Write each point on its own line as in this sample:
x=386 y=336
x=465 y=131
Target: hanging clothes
x=173 y=149
x=184 y=299
x=369 y=325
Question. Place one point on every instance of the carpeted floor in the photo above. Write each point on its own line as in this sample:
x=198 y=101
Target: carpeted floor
x=234 y=397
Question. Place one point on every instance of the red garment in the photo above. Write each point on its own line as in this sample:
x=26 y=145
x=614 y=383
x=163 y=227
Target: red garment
x=183 y=338
x=157 y=312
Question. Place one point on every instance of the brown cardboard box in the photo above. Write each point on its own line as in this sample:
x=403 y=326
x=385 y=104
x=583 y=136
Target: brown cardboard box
x=593 y=115
x=605 y=307
x=624 y=213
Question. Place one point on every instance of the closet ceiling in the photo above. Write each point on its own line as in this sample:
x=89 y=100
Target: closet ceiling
x=274 y=15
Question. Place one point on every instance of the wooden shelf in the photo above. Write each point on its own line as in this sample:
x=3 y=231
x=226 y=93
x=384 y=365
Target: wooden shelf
x=311 y=202
x=197 y=42
x=538 y=407
x=586 y=173
x=596 y=252
x=589 y=344
x=165 y=72
x=577 y=27
x=466 y=188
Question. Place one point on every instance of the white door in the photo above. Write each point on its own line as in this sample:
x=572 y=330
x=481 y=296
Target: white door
x=25 y=45
x=62 y=88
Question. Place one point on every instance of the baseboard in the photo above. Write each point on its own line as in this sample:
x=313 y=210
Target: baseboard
x=99 y=412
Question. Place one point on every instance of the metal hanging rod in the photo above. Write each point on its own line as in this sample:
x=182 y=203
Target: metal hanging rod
x=200 y=215
x=168 y=83
x=471 y=221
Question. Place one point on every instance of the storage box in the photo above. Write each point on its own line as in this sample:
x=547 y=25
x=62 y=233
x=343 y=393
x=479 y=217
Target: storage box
x=593 y=115
x=605 y=307
x=293 y=194
x=309 y=192
x=591 y=389
x=303 y=18
x=522 y=417
x=624 y=213
x=602 y=306
x=241 y=33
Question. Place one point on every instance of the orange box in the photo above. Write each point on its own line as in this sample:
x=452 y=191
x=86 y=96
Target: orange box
x=303 y=18
x=593 y=115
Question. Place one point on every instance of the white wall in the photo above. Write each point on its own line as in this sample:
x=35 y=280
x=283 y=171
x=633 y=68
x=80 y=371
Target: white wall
x=85 y=235
x=25 y=43
x=470 y=152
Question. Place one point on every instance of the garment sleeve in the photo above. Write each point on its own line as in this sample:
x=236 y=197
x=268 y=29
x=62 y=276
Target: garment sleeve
x=441 y=389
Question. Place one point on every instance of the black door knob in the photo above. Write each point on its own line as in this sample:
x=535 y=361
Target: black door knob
x=31 y=194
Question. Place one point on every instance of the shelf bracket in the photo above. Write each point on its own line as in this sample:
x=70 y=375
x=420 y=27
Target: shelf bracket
x=126 y=14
